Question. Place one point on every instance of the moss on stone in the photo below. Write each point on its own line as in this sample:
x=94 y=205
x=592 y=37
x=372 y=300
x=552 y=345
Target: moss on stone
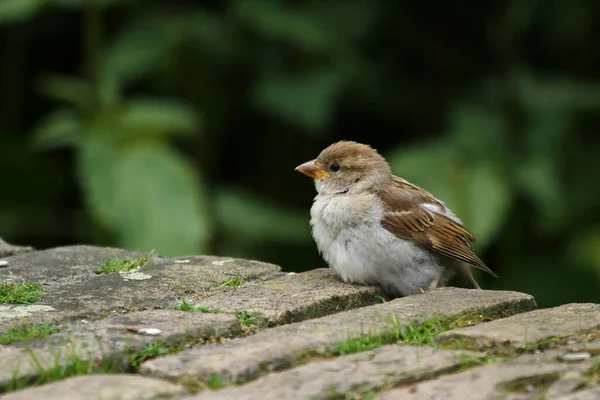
x=213 y=382
x=525 y=385
x=332 y=306
x=392 y=331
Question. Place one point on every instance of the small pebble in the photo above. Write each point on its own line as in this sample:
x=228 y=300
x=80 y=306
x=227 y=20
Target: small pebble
x=181 y=261
x=149 y=331
x=3 y=263
x=529 y=388
x=574 y=357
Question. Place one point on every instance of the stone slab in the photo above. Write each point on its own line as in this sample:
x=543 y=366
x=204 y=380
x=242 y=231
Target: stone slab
x=75 y=292
x=569 y=383
x=111 y=339
x=592 y=347
x=587 y=394
x=249 y=357
x=523 y=330
x=105 y=387
x=7 y=249
x=295 y=297
x=373 y=370
x=525 y=377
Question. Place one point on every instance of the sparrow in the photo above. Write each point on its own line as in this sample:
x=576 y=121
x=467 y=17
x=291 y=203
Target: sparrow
x=374 y=228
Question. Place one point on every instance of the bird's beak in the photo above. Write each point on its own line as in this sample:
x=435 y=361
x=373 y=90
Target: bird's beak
x=311 y=169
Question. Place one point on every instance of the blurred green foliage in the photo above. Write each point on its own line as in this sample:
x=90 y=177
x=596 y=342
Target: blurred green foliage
x=176 y=125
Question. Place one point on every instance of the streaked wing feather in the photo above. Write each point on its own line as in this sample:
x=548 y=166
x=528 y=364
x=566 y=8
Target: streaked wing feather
x=408 y=219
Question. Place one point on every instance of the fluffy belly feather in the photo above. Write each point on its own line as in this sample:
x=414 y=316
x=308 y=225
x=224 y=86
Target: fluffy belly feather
x=361 y=251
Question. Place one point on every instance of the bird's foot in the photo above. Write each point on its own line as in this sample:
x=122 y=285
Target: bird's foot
x=432 y=285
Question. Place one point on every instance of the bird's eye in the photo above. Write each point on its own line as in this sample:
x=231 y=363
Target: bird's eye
x=334 y=167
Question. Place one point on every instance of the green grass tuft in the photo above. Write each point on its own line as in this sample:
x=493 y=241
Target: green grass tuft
x=20 y=293
x=186 y=306
x=235 y=283
x=596 y=368
x=21 y=333
x=467 y=361
x=251 y=320
x=215 y=382
x=352 y=346
x=76 y=363
x=117 y=264
x=423 y=334
x=415 y=334
x=153 y=350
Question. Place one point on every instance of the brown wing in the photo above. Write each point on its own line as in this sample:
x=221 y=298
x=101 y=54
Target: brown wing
x=408 y=219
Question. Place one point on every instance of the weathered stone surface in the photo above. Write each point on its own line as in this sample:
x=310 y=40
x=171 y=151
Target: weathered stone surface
x=571 y=381
x=521 y=331
x=526 y=377
x=15 y=311
x=295 y=297
x=7 y=249
x=592 y=346
x=9 y=352
x=74 y=291
x=105 y=387
x=275 y=348
x=588 y=394
x=111 y=339
x=370 y=370
x=308 y=316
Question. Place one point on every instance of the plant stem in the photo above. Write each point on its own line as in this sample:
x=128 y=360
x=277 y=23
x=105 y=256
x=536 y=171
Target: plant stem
x=92 y=43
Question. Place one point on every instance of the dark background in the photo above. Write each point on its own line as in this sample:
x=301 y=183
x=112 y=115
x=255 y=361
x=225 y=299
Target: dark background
x=176 y=125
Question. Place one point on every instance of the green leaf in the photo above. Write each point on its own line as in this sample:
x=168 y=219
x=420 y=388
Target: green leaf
x=209 y=34
x=556 y=94
x=274 y=20
x=157 y=117
x=18 y=10
x=243 y=214
x=474 y=127
x=429 y=166
x=67 y=89
x=489 y=199
x=351 y=21
x=146 y=194
x=161 y=202
x=108 y=90
x=61 y=128
x=539 y=175
x=13 y=11
x=306 y=100
x=96 y=161
x=519 y=15
x=584 y=249
x=140 y=50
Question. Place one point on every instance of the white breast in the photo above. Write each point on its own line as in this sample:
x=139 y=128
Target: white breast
x=353 y=242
